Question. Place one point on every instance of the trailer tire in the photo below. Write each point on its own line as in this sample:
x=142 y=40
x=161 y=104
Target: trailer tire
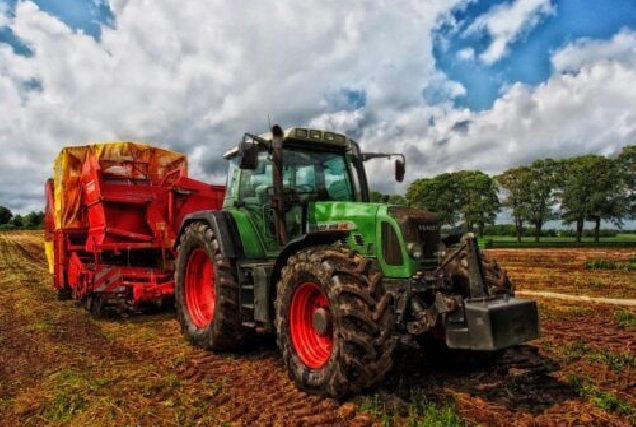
x=95 y=306
x=349 y=345
x=209 y=317
x=65 y=294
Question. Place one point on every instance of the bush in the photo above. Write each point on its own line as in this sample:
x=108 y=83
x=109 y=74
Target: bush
x=562 y=244
x=508 y=230
x=606 y=264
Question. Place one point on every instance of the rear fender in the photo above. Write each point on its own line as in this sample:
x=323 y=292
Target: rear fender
x=224 y=228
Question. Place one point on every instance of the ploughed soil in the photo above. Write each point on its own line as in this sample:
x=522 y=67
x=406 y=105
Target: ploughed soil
x=564 y=270
x=58 y=366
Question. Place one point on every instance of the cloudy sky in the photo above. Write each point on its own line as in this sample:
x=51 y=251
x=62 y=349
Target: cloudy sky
x=454 y=84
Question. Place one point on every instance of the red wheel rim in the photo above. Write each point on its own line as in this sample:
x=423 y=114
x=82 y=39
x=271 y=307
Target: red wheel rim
x=199 y=288
x=312 y=348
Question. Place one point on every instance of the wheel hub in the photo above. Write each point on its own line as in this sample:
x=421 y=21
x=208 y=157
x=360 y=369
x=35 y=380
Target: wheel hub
x=310 y=325
x=321 y=321
x=200 y=294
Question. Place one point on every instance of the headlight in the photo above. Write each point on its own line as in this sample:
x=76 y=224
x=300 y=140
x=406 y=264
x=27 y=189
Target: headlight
x=415 y=250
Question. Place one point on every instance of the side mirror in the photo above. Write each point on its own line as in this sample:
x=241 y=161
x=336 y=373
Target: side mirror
x=400 y=169
x=249 y=155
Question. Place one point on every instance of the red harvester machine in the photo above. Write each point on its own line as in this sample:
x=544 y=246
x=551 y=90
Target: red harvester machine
x=113 y=211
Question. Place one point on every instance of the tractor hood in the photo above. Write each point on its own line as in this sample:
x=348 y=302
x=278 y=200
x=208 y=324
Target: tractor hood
x=402 y=239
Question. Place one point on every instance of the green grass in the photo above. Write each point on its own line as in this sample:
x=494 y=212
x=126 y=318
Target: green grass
x=602 y=399
x=617 y=238
x=606 y=264
x=421 y=410
x=627 y=240
x=625 y=319
x=615 y=361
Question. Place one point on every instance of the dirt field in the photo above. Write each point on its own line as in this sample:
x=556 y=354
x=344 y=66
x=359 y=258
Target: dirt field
x=60 y=367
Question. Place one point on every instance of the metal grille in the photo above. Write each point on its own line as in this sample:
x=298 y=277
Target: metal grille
x=418 y=226
x=390 y=245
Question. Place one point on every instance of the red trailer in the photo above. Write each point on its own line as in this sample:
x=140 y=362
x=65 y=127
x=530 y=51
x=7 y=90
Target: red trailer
x=113 y=211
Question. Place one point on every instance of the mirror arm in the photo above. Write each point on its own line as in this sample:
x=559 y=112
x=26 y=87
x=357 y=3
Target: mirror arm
x=370 y=156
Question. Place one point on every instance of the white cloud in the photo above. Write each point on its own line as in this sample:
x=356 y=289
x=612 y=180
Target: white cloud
x=584 y=52
x=199 y=75
x=505 y=23
x=588 y=111
x=195 y=77
x=466 y=54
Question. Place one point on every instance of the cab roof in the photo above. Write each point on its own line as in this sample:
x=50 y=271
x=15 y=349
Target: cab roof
x=301 y=134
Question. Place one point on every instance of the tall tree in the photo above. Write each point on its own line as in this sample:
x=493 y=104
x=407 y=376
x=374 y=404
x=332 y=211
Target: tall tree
x=17 y=220
x=627 y=164
x=5 y=215
x=438 y=194
x=543 y=182
x=397 y=199
x=376 y=197
x=34 y=219
x=608 y=199
x=592 y=190
x=477 y=199
x=516 y=182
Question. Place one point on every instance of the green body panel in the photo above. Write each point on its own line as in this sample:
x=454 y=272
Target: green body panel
x=365 y=237
x=251 y=238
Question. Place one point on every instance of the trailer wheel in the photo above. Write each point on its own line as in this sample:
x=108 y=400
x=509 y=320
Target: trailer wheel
x=334 y=322
x=206 y=291
x=65 y=294
x=95 y=306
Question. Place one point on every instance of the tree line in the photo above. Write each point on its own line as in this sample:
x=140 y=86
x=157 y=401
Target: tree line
x=574 y=190
x=9 y=221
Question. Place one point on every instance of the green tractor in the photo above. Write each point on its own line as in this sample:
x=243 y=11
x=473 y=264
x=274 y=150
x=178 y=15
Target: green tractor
x=298 y=250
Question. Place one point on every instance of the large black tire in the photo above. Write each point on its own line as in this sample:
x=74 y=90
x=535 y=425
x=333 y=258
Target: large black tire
x=362 y=321
x=224 y=332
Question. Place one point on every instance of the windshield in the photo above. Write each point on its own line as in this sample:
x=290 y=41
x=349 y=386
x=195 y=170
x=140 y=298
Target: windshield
x=318 y=175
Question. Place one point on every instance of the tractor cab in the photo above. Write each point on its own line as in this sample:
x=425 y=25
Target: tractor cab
x=275 y=176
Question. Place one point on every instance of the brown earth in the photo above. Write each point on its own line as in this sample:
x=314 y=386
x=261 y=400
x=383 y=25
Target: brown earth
x=563 y=270
x=58 y=366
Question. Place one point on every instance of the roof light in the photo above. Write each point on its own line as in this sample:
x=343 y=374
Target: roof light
x=315 y=134
x=301 y=133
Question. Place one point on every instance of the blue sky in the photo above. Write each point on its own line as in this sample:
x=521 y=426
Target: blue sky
x=453 y=84
x=529 y=58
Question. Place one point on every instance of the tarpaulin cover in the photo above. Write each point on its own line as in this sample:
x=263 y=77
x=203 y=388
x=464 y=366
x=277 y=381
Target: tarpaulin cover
x=67 y=169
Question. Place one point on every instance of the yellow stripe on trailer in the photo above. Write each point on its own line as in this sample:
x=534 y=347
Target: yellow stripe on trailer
x=48 y=251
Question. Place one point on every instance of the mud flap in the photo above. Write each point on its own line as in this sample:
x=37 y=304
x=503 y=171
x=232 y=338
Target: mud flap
x=494 y=323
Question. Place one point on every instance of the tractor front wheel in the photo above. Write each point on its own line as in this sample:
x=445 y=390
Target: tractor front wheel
x=206 y=291
x=334 y=322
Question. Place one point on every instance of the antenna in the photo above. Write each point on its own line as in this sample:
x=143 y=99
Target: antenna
x=269 y=122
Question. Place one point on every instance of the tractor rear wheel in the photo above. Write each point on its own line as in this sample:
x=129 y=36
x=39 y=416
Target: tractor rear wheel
x=334 y=321
x=206 y=291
